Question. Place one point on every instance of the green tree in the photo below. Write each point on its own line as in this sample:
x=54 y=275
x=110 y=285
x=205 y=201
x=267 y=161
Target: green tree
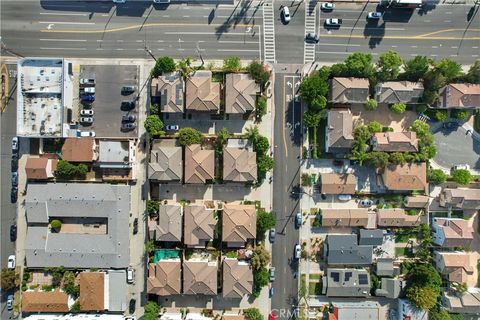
x=473 y=74
x=374 y=127
x=359 y=65
x=460 y=288
x=339 y=70
x=188 y=136
x=232 y=64
x=163 y=65
x=149 y=246
x=398 y=107
x=318 y=104
x=56 y=224
x=312 y=88
x=185 y=67
x=312 y=119
x=436 y=176
x=362 y=133
x=416 y=68
x=450 y=69
x=371 y=104
x=153 y=206
x=222 y=137
x=66 y=170
x=378 y=159
x=389 y=65
x=69 y=284
x=261 y=144
x=420 y=128
x=252 y=314
x=425 y=275
x=261 y=109
x=265 y=221
x=260 y=257
x=260 y=278
x=265 y=163
x=462 y=176
x=397 y=158
x=422 y=297
x=461 y=115
x=154 y=126
x=8 y=279
x=441 y=115
x=438 y=314
x=152 y=309
x=75 y=308
x=258 y=72
x=252 y=134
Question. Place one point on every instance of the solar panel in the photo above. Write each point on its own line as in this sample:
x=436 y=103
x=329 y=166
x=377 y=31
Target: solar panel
x=335 y=276
x=348 y=275
x=362 y=279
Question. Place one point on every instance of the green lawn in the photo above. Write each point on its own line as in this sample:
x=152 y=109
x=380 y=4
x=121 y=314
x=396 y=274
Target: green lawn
x=315 y=276
x=315 y=288
x=404 y=235
x=399 y=252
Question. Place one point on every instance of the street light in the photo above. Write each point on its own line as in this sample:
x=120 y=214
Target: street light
x=200 y=53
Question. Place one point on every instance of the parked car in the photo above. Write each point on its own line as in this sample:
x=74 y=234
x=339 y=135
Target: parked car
x=11 y=262
x=450 y=125
x=327 y=6
x=87 y=97
x=87 y=81
x=129 y=118
x=86 y=134
x=298 y=220
x=286 y=14
x=127 y=105
x=14 y=162
x=334 y=22
x=271 y=274
x=126 y=90
x=13 y=232
x=10 y=302
x=90 y=90
x=461 y=167
x=271 y=292
x=15 y=144
x=161 y=1
x=374 y=15
x=172 y=127
x=135 y=226
x=271 y=235
x=86 y=112
x=366 y=203
x=297 y=253
x=312 y=38
x=128 y=125
x=344 y=197
x=13 y=194
x=119 y=1
x=130 y=275
x=131 y=306
x=86 y=120
x=14 y=179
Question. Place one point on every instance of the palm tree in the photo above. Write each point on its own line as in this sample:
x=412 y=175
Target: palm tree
x=185 y=67
x=252 y=134
x=312 y=120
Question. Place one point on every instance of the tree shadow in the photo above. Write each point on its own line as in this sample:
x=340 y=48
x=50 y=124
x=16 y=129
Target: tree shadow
x=235 y=18
x=375 y=32
x=426 y=7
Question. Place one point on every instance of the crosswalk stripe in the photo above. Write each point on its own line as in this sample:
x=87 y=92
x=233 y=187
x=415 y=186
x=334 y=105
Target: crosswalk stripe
x=310 y=26
x=268 y=32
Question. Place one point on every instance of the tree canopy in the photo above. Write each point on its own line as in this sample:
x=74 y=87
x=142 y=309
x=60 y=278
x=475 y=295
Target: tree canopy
x=371 y=104
x=422 y=297
x=473 y=74
x=8 y=279
x=436 y=176
x=252 y=314
x=152 y=310
x=67 y=170
x=415 y=69
x=462 y=176
x=389 y=65
x=398 y=107
x=188 y=136
x=232 y=64
x=360 y=65
x=154 y=126
x=258 y=72
x=312 y=89
x=265 y=221
x=260 y=257
x=374 y=127
x=163 y=65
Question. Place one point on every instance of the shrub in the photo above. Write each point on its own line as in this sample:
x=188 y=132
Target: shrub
x=66 y=170
x=371 y=104
x=461 y=115
x=154 y=126
x=462 y=176
x=232 y=64
x=163 y=65
x=265 y=221
x=398 y=107
x=56 y=225
x=152 y=206
x=257 y=71
x=441 y=115
x=252 y=314
x=8 y=279
x=189 y=136
x=421 y=108
x=374 y=127
x=261 y=107
x=436 y=176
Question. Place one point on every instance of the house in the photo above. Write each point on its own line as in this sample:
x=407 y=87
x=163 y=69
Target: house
x=166 y=163
x=240 y=93
x=407 y=311
x=239 y=163
x=346 y=283
x=237 y=278
x=202 y=94
x=417 y=201
x=406 y=177
x=344 y=217
x=200 y=278
x=95 y=225
x=396 y=217
x=117 y=290
x=92 y=291
x=79 y=150
x=461 y=198
x=45 y=301
x=468 y=303
x=390 y=288
x=450 y=233
x=199 y=164
x=168 y=226
x=339 y=131
x=199 y=225
x=338 y=183
x=348 y=90
x=116 y=154
x=355 y=310
x=164 y=278
x=169 y=90
x=455 y=266
x=370 y=237
x=459 y=96
x=42 y=168
x=387 y=267
x=344 y=250
x=239 y=224
x=395 y=141
x=391 y=92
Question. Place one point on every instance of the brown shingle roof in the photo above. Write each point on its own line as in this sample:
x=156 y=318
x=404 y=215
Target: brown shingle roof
x=166 y=163
x=202 y=94
x=344 y=217
x=416 y=201
x=199 y=164
x=92 y=291
x=170 y=90
x=396 y=218
x=339 y=137
x=168 y=227
x=199 y=277
x=40 y=168
x=79 y=150
x=456 y=232
x=410 y=176
x=239 y=223
x=348 y=90
x=48 y=302
x=336 y=183
x=399 y=91
x=395 y=141
x=462 y=198
x=456 y=265
x=164 y=278
x=239 y=165
x=240 y=93
x=199 y=225
x=459 y=95
x=237 y=279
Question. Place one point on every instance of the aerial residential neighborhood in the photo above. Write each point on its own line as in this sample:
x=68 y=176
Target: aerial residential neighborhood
x=240 y=160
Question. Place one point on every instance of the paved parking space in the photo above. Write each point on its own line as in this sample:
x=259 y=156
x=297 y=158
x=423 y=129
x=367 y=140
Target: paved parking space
x=108 y=98
x=235 y=124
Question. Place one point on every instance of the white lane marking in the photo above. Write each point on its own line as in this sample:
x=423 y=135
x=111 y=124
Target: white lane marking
x=339 y=44
x=105 y=15
x=63 y=14
x=394 y=46
x=228 y=41
x=63 y=48
x=159 y=49
x=160 y=41
x=427 y=20
x=454 y=47
x=119 y=40
x=341 y=52
x=413 y=46
x=186 y=16
x=447 y=21
x=210 y=33
x=448 y=12
x=166 y=16
x=434 y=47
x=139 y=41
x=474 y=55
x=99 y=48
x=119 y=49
x=474 y=47
x=453 y=55
x=64 y=22
x=433 y=55
x=65 y=40
x=243 y=50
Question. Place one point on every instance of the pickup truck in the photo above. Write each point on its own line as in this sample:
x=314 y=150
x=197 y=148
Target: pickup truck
x=333 y=22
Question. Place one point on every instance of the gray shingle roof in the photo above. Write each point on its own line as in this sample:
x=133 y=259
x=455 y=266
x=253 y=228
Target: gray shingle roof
x=391 y=288
x=165 y=162
x=371 y=237
x=169 y=224
x=399 y=91
x=344 y=250
x=385 y=267
x=339 y=130
x=75 y=250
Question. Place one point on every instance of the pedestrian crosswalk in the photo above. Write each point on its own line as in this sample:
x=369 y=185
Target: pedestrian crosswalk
x=268 y=32
x=310 y=26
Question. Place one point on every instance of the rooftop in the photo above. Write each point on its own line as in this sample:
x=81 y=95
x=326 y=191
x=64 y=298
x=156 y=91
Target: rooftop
x=92 y=294
x=336 y=183
x=79 y=150
x=237 y=279
x=399 y=91
x=115 y=154
x=344 y=250
x=40 y=168
x=348 y=90
x=168 y=227
x=239 y=165
x=239 y=223
x=199 y=164
x=42 y=301
x=202 y=94
x=347 y=283
x=345 y=217
x=459 y=95
x=396 y=217
x=240 y=93
x=199 y=225
x=199 y=277
x=339 y=137
x=169 y=88
x=395 y=141
x=410 y=176
x=164 y=277
x=166 y=163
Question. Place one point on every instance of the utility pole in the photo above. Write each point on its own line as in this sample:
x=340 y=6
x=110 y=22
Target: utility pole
x=200 y=53
x=150 y=53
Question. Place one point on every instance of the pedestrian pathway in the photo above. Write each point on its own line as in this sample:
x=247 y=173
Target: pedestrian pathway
x=268 y=32
x=310 y=27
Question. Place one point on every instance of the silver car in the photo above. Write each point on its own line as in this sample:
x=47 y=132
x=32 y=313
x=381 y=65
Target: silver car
x=86 y=120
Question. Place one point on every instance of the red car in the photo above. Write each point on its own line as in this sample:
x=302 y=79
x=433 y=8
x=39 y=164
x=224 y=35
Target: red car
x=272 y=316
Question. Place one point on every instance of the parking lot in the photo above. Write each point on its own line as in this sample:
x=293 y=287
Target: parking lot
x=108 y=98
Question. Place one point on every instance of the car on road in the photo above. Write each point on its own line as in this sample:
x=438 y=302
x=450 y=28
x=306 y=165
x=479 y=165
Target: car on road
x=327 y=6
x=11 y=262
x=87 y=97
x=271 y=292
x=13 y=232
x=271 y=274
x=128 y=125
x=13 y=194
x=297 y=252
x=161 y=1
x=172 y=127
x=10 y=302
x=312 y=38
x=366 y=203
x=14 y=179
x=90 y=90
x=333 y=22
x=15 y=144
x=129 y=118
x=344 y=197
x=87 y=81
x=119 y=1
x=86 y=112
x=130 y=275
x=14 y=162
x=461 y=167
x=127 y=105
x=126 y=90
x=374 y=15
x=131 y=306
x=86 y=120
x=135 y=226
x=271 y=235
x=86 y=134
x=286 y=14
x=451 y=125
x=298 y=220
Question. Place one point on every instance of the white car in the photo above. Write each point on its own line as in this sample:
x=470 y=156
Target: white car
x=15 y=144
x=130 y=275
x=11 y=262
x=333 y=22
x=327 y=6
x=89 y=90
x=344 y=197
x=297 y=252
x=161 y=1
x=119 y=1
x=88 y=120
x=374 y=15
x=86 y=112
x=286 y=14
x=88 y=134
x=172 y=127
x=87 y=81
x=461 y=167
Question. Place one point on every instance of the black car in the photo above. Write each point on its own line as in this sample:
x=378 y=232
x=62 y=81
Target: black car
x=135 y=226
x=13 y=194
x=452 y=125
x=131 y=306
x=14 y=179
x=13 y=232
x=14 y=162
x=127 y=105
x=312 y=38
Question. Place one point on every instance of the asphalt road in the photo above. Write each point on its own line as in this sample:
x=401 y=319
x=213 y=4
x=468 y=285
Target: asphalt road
x=8 y=213
x=286 y=176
